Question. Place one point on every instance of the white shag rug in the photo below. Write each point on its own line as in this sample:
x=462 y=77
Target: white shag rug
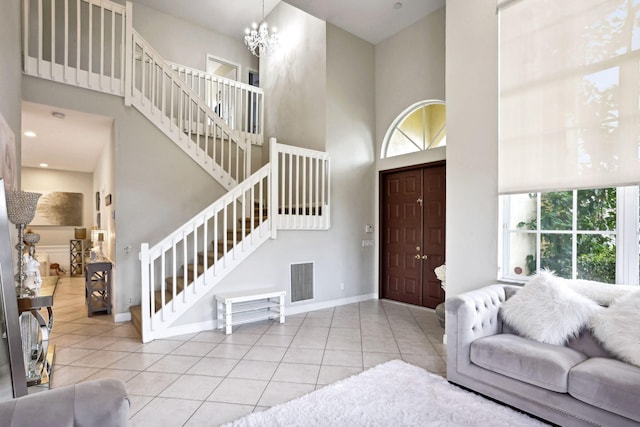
x=392 y=394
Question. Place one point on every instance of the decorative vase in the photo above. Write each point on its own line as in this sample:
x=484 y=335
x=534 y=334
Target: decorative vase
x=21 y=208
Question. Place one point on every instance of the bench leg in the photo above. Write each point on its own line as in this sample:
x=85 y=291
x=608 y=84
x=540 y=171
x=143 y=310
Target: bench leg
x=281 y=308
x=228 y=316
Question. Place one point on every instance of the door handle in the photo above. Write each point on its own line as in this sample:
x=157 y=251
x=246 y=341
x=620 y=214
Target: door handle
x=417 y=256
x=424 y=257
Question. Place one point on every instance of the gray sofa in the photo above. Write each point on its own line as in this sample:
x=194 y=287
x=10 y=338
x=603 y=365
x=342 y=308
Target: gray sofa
x=579 y=384
x=101 y=403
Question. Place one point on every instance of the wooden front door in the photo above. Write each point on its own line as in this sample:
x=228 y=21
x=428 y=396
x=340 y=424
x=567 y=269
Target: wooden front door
x=413 y=234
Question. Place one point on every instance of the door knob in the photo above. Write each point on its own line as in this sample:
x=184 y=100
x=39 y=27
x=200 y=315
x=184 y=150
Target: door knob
x=417 y=256
x=424 y=257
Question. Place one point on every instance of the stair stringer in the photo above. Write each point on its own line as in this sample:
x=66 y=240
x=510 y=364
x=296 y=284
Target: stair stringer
x=182 y=140
x=201 y=287
x=177 y=121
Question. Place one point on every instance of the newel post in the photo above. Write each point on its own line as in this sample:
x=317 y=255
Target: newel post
x=275 y=173
x=128 y=55
x=145 y=300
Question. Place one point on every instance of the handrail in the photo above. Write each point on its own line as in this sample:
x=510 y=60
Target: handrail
x=85 y=49
x=240 y=105
x=301 y=191
x=158 y=92
x=184 y=264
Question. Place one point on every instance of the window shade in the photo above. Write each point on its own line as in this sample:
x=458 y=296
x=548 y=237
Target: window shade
x=569 y=94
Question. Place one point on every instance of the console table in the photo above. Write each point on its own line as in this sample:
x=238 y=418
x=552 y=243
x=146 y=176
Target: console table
x=35 y=329
x=98 y=286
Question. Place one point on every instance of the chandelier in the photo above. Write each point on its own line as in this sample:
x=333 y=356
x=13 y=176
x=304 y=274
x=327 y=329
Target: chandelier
x=258 y=39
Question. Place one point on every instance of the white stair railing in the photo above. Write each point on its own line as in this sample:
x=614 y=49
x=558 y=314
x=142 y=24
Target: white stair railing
x=301 y=191
x=78 y=42
x=238 y=104
x=184 y=266
x=188 y=263
x=157 y=91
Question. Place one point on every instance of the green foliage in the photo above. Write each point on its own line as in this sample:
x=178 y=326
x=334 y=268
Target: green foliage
x=596 y=253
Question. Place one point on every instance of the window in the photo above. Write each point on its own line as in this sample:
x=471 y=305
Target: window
x=420 y=127
x=579 y=234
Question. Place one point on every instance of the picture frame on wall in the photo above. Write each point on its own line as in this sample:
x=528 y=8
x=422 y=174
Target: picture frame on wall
x=97 y=201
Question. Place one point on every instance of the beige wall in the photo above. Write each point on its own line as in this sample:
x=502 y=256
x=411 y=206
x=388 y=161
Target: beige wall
x=410 y=67
x=11 y=69
x=472 y=144
x=104 y=183
x=188 y=44
x=294 y=80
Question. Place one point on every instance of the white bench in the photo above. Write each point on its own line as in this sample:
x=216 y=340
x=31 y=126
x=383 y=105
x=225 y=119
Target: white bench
x=238 y=307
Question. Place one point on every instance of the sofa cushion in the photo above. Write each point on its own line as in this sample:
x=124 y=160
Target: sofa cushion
x=546 y=310
x=587 y=344
x=609 y=384
x=539 y=364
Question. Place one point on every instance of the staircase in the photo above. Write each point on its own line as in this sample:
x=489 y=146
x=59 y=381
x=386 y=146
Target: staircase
x=215 y=121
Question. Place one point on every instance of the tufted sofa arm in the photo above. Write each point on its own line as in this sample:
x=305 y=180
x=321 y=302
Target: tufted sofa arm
x=470 y=316
x=100 y=403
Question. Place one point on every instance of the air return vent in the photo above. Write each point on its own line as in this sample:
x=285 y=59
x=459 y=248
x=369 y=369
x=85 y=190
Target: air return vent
x=301 y=281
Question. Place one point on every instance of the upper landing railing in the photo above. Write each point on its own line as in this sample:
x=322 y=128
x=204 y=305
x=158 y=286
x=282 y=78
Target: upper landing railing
x=84 y=43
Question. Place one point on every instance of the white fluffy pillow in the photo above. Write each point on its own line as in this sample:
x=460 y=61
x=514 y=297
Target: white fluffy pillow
x=546 y=310
x=616 y=327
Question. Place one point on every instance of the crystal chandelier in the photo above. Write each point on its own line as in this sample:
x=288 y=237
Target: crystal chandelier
x=258 y=39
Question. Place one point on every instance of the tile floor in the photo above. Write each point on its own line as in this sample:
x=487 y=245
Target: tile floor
x=209 y=378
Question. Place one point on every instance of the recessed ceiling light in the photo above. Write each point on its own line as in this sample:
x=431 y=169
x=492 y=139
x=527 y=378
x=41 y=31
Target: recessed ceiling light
x=58 y=115
x=30 y=134
x=44 y=165
x=397 y=5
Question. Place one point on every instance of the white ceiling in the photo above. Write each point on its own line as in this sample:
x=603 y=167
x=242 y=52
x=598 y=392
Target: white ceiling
x=76 y=142
x=371 y=20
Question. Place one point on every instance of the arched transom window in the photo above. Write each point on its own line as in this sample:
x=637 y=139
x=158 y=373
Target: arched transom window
x=420 y=127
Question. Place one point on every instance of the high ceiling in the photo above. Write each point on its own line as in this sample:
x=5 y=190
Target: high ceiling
x=76 y=142
x=371 y=20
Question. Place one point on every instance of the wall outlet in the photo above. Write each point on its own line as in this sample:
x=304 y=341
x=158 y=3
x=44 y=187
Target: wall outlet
x=367 y=243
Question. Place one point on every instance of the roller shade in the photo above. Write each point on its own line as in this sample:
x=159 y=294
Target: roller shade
x=569 y=94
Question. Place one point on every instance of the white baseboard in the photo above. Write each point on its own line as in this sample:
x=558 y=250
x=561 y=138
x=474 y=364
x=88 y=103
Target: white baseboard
x=208 y=325
x=328 y=304
x=122 y=317
x=189 y=328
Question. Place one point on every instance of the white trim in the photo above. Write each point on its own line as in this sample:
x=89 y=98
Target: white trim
x=396 y=122
x=329 y=304
x=122 y=317
x=189 y=328
x=225 y=62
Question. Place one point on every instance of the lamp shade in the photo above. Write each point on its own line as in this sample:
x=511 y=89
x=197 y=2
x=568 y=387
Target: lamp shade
x=21 y=206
